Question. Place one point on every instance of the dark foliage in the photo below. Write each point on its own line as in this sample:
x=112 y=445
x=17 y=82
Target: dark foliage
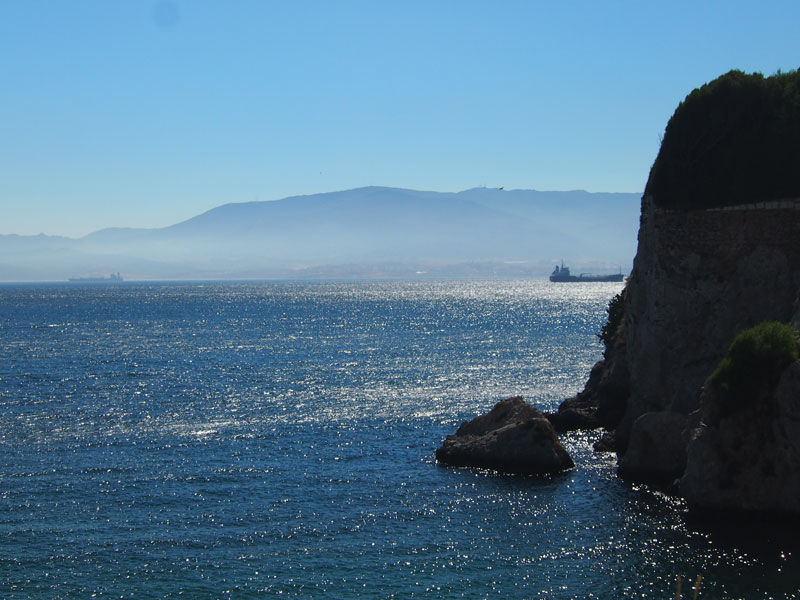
x=755 y=360
x=616 y=315
x=735 y=140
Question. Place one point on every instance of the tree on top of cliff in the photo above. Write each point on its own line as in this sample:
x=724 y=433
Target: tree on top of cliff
x=735 y=140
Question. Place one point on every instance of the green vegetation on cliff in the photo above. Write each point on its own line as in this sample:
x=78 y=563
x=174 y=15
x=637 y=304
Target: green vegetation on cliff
x=616 y=316
x=755 y=360
x=735 y=140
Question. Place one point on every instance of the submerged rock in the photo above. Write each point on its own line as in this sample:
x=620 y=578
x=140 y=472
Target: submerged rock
x=513 y=437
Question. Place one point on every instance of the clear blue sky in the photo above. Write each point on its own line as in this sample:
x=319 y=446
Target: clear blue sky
x=142 y=113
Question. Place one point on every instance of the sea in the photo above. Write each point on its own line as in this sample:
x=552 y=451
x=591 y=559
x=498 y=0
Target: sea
x=277 y=438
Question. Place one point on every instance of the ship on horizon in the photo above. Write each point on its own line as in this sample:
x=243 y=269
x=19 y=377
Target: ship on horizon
x=561 y=274
x=113 y=278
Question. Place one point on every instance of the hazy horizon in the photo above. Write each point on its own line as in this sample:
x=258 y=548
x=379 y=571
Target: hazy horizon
x=365 y=232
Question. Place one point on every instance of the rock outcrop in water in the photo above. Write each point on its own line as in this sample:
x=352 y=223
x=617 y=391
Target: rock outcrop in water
x=718 y=253
x=751 y=459
x=513 y=437
x=602 y=401
x=745 y=446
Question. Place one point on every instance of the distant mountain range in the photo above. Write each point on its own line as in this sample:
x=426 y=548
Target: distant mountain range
x=365 y=232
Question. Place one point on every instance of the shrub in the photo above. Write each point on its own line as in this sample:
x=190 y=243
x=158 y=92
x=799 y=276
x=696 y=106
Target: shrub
x=755 y=360
x=616 y=315
x=735 y=140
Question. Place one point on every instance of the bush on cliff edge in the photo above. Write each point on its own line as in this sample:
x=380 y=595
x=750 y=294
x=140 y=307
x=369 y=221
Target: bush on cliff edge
x=735 y=140
x=755 y=360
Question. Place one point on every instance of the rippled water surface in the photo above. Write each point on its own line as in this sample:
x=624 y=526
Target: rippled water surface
x=250 y=439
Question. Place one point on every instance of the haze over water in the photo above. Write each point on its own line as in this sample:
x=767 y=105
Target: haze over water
x=242 y=439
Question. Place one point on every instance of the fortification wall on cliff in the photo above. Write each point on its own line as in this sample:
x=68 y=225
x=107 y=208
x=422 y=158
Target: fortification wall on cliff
x=775 y=224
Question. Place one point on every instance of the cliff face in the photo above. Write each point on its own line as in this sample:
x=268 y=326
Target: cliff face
x=718 y=253
x=747 y=458
x=699 y=278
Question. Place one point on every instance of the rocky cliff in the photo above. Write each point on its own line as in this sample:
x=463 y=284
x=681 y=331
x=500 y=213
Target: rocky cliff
x=699 y=278
x=713 y=290
x=708 y=266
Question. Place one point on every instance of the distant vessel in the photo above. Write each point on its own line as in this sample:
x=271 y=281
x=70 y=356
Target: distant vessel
x=562 y=274
x=114 y=277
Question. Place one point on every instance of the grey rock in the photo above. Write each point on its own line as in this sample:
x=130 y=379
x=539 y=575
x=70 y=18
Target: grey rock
x=795 y=321
x=505 y=412
x=578 y=412
x=513 y=437
x=603 y=399
x=749 y=460
x=657 y=448
x=607 y=443
x=699 y=278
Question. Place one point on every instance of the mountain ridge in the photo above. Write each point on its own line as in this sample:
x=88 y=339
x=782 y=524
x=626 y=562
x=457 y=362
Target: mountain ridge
x=368 y=225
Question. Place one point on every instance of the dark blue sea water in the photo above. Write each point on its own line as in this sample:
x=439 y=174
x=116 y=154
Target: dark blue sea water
x=243 y=440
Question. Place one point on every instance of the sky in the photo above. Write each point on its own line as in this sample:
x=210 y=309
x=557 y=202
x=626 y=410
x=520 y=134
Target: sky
x=146 y=113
